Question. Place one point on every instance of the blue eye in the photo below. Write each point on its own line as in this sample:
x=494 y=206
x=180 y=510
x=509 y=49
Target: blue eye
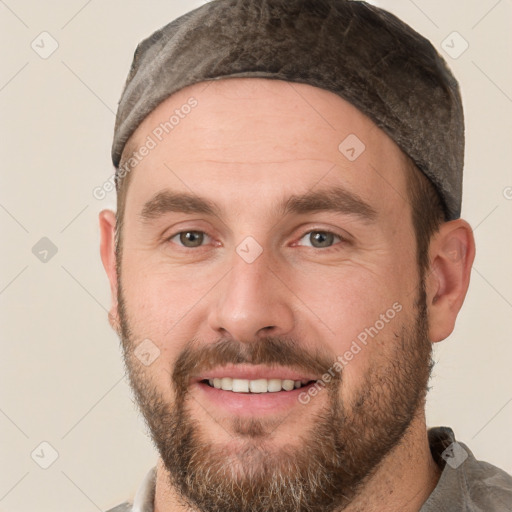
x=190 y=239
x=321 y=239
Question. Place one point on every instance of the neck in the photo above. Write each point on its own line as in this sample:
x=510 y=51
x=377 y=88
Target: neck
x=405 y=478
x=402 y=482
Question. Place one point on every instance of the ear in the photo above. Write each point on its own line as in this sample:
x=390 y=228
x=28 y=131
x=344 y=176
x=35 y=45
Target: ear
x=451 y=251
x=107 y=220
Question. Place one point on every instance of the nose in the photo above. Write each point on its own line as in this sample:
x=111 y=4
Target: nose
x=252 y=301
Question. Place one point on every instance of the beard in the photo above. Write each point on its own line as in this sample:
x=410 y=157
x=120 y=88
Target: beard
x=329 y=462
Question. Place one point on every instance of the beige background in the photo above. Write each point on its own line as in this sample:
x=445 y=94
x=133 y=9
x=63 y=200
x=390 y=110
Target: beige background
x=60 y=364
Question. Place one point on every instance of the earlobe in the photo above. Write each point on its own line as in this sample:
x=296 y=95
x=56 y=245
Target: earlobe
x=452 y=252
x=107 y=220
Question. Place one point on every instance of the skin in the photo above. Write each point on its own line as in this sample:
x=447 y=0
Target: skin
x=249 y=144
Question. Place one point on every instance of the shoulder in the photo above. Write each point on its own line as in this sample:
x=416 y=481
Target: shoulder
x=465 y=483
x=489 y=486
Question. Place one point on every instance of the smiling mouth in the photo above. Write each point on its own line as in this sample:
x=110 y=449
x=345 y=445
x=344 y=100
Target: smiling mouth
x=256 y=386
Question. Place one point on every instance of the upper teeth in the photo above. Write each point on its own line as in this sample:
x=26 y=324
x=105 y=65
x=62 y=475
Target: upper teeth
x=255 y=386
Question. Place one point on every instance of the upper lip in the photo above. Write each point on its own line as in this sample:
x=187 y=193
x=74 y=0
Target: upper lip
x=252 y=372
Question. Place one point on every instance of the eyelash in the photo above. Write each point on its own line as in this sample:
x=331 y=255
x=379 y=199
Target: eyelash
x=324 y=249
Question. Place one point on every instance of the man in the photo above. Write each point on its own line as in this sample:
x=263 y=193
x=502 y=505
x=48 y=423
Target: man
x=287 y=247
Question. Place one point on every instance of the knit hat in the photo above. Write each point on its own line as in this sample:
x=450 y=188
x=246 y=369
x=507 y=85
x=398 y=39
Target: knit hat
x=362 y=53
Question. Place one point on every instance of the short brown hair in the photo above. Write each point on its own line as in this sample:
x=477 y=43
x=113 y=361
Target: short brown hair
x=122 y=184
x=428 y=211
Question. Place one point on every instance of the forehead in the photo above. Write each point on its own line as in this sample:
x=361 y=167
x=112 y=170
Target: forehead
x=240 y=136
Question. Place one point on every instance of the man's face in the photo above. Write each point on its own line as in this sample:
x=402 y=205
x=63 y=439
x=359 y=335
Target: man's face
x=270 y=286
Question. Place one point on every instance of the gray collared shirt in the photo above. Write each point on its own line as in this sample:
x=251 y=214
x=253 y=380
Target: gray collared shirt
x=466 y=484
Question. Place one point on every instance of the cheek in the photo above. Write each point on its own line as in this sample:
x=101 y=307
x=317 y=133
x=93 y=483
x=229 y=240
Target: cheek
x=161 y=306
x=350 y=298
x=159 y=292
x=358 y=312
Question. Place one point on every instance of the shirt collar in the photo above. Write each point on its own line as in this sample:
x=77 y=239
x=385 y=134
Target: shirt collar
x=145 y=496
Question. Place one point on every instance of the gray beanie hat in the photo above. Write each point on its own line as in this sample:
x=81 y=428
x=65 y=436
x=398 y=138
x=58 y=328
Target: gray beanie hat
x=360 y=52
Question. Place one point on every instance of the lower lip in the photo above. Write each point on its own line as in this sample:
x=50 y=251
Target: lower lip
x=252 y=403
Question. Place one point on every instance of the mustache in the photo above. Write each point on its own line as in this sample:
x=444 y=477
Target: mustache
x=198 y=357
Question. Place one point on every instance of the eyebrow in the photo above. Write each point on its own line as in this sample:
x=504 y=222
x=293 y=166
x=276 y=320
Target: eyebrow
x=168 y=201
x=332 y=199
